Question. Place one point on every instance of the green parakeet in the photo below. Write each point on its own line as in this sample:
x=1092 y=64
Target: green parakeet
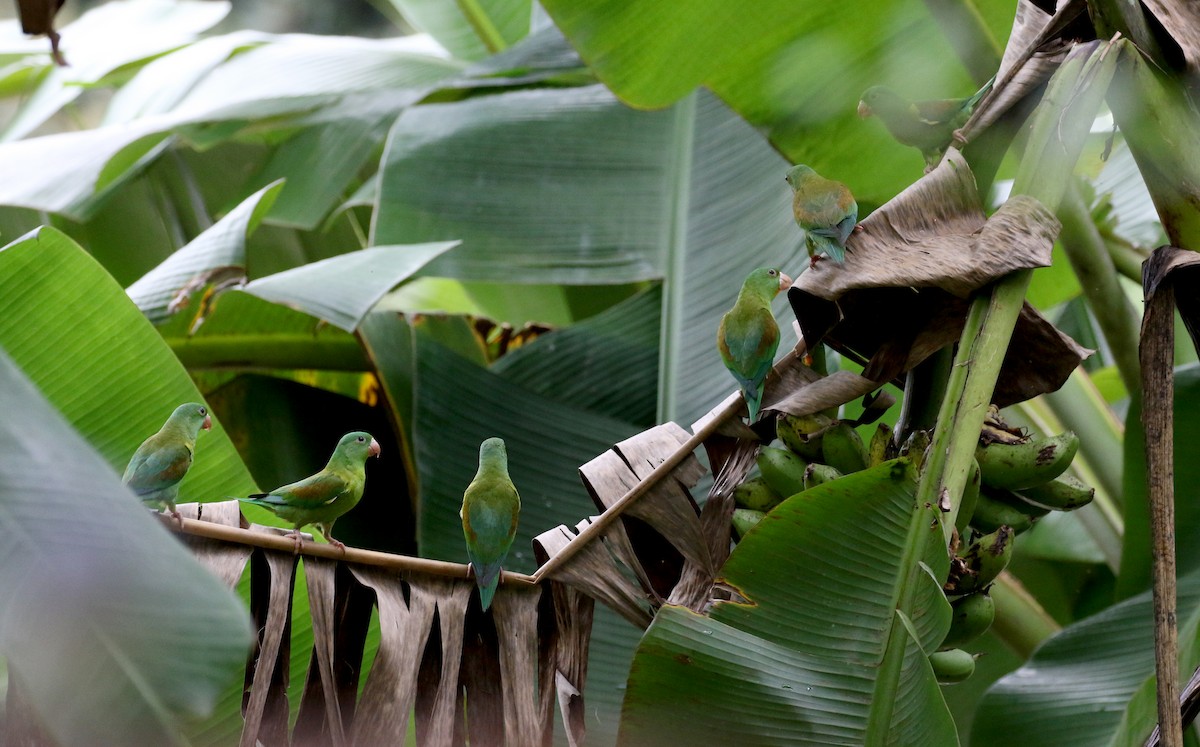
x=159 y=464
x=748 y=336
x=490 y=509
x=928 y=126
x=323 y=497
x=825 y=210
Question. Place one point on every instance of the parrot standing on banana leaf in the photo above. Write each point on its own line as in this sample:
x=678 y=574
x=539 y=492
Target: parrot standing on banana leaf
x=748 y=336
x=928 y=126
x=320 y=499
x=490 y=508
x=825 y=210
x=159 y=464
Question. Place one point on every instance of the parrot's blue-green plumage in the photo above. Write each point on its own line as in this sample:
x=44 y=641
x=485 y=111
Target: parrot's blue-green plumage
x=929 y=126
x=490 y=508
x=320 y=499
x=748 y=336
x=825 y=210
x=160 y=463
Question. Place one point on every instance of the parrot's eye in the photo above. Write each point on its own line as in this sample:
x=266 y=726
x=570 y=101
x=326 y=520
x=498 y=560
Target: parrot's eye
x=203 y=411
x=772 y=273
x=361 y=439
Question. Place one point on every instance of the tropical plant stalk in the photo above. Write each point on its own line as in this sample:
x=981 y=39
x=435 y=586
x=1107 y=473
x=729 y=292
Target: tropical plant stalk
x=1157 y=354
x=1093 y=265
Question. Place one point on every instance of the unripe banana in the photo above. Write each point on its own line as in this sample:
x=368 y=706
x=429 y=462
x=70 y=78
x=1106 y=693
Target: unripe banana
x=970 y=496
x=991 y=514
x=744 y=520
x=952 y=666
x=816 y=474
x=1062 y=494
x=971 y=616
x=782 y=470
x=1024 y=465
x=1017 y=501
x=915 y=446
x=756 y=494
x=803 y=434
x=843 y=448
x=881 y=442
x=984 y=560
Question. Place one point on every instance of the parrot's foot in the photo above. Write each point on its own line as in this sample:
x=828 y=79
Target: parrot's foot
x=812 y=262
x=857 y=228
x=297 y=539
x=178 y=519
x=958 y=137
x=470 y=571
x=338 y=544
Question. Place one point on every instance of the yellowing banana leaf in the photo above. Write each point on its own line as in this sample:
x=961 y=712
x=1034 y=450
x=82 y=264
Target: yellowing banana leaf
x=223 y=246
x=1091 y=684
x=829 y=646
x=80 y=339
x=80 y=591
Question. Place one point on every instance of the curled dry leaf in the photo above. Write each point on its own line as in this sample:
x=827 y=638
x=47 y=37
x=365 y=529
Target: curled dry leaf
x=1037 y=45
x=902 y=294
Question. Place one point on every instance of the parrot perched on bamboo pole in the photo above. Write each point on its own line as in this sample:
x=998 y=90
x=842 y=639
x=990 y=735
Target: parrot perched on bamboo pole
x=320 y=499
x=160 y=463
x=490 y=509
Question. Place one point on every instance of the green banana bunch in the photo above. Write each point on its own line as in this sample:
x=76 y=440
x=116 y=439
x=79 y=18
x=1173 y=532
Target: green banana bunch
x=757 y=495
x=952 y=666
x=992 y=512
x=1017 y=466
x=843 y=449
x=782 y=470
x=744 y=519
x=881 y=444
x=972 y=615
x=1064 y=493
x=803 y=434
x=984 y=560
x=817 y=474
x=916 y=446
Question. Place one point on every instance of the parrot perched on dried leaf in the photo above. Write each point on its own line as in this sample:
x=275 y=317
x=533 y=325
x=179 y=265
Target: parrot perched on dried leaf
x=825 y=210
x=748 y=336
x=928 y=126
x=490 y=508
x=323 y=497
x=159 y=464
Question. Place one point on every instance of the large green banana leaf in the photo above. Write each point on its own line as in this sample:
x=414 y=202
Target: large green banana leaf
x=797 y=69
x=104 y=381
x=570 y=186
x=1091 y=684
x=833 y=591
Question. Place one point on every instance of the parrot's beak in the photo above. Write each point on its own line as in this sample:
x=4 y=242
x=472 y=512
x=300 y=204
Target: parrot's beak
x=864 y=111
x=207 y=424
x=373 y=449
x=785 y=281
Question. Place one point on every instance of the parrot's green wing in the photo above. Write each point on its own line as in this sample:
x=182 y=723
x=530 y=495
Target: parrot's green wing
x=310 y=493
x=491 y=509
x=158 y=464
x=748 y=339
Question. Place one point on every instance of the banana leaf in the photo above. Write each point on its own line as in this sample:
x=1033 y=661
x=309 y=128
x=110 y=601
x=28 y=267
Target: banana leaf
x=835 y=654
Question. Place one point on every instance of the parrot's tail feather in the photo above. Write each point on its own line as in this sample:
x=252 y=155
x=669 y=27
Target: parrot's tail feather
x=753 y=397
x=485 y=595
